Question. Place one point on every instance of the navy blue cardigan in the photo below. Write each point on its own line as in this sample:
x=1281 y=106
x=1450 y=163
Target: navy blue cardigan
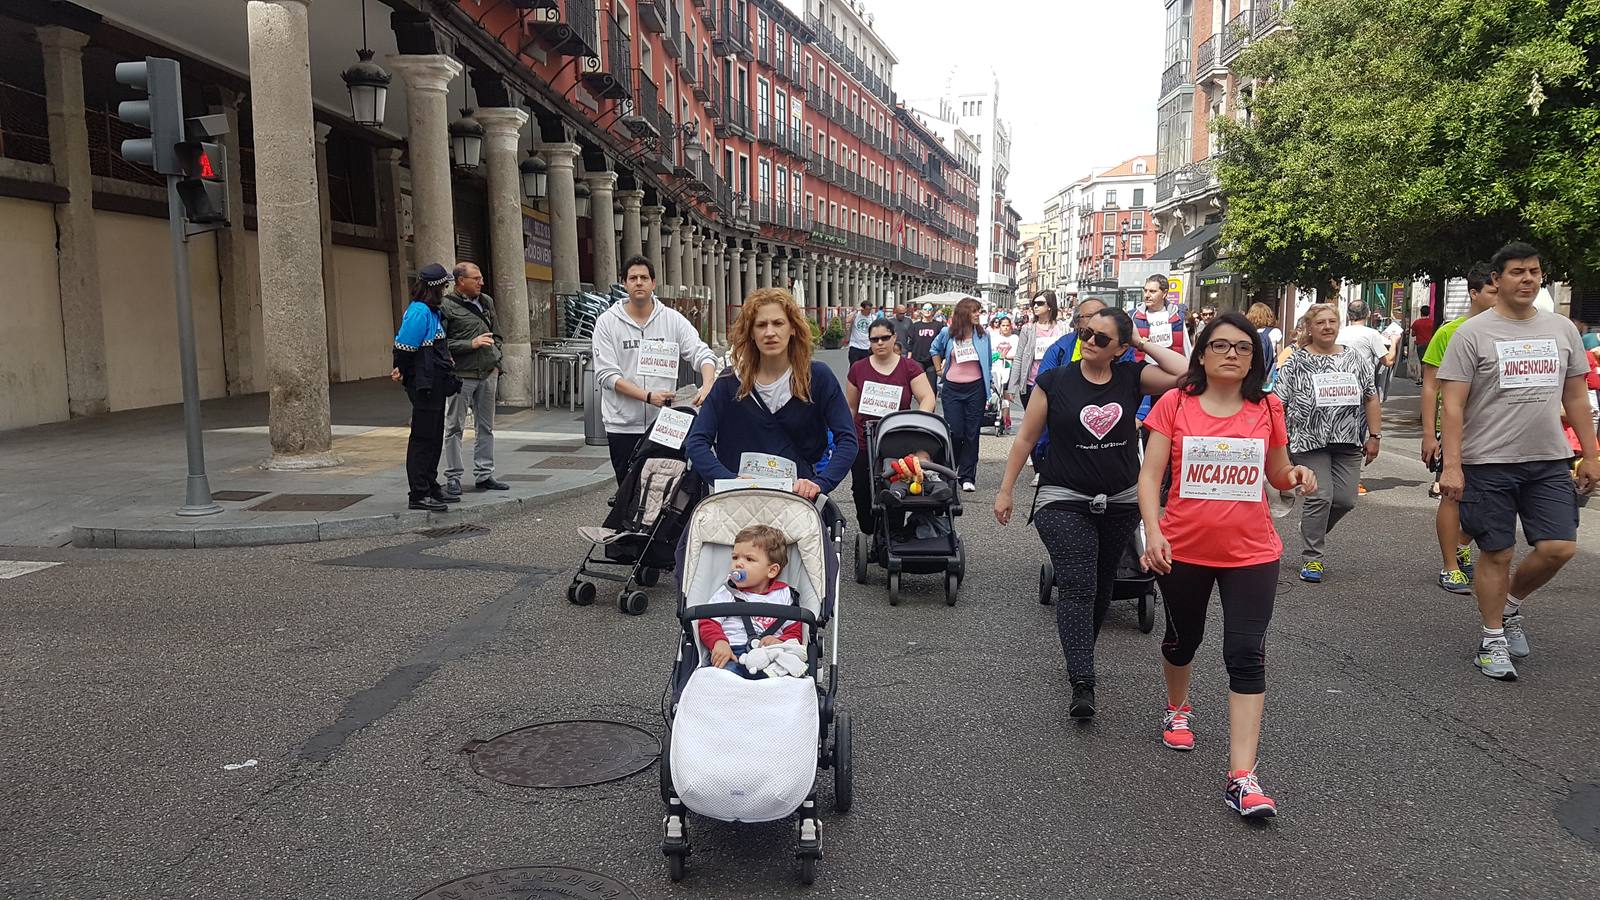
x=798 y=432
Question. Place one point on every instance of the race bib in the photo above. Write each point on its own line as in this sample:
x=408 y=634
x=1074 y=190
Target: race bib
x=658 y=359
x=1222 y=468
x=723 y=485
x=1525 y=364
x=878 y=399
x=1161 y=333
x=671 y=428
x=963 y=352
x=765 y=465
x=1336 y=389
x=1043 y=342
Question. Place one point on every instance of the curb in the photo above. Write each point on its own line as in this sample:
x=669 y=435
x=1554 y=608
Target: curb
x=202 y=537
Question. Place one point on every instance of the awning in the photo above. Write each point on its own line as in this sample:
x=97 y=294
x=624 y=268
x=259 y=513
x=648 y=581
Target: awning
x=1217 y=275
x=1183 y=246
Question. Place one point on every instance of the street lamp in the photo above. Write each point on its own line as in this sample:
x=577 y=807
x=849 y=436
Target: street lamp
x=535 y=177
x=466 y=142
x=581 y=193
x=368 y=83
x=616 y=217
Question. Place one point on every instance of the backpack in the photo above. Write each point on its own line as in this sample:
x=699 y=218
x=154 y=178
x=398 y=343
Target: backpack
x=1272 y=357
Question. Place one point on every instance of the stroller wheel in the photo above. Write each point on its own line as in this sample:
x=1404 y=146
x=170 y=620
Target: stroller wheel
x=1147 y=612
x=675 y=866
x=1047 y=583
x=808 y=869
x=863 y=550
x=894 y=588
x=843 y=765
x=952 y=583
x=634 y=603
x=580 y=593
x=649 y=577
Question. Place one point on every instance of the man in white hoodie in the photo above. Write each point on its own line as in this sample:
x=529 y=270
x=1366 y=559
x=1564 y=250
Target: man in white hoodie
x=631 y=393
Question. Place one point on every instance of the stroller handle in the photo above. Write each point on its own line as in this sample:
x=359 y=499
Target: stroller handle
x=748 y=608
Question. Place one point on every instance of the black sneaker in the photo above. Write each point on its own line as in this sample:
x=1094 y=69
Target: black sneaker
x=489 y=484
x=1082 y=706
x=428 y=504
x=445 y=496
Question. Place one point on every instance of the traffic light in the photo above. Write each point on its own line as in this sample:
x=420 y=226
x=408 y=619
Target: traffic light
x=161 y=113
x=204 y=186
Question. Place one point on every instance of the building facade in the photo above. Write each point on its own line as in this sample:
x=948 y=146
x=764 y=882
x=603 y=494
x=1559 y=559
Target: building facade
x=1115 y=223
x=737 y=143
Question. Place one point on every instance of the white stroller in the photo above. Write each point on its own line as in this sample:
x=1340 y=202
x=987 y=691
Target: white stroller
x=741 y=750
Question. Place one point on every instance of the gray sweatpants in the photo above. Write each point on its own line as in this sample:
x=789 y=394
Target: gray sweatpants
x=477 y=394
x=1338 y=469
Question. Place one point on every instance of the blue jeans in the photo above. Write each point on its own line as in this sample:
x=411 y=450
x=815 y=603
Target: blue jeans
x=734 y=666
x=963 y=412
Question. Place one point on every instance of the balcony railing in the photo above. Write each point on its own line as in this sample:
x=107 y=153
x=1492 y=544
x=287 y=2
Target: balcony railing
x=1235 y=36
x=733 y=32
x=653 y=16
x=1270 y=17
x=764 y=127
x=689 y=63
x=1205 y=60
x=764 y=53
x=578 y=32
x=1175 y=76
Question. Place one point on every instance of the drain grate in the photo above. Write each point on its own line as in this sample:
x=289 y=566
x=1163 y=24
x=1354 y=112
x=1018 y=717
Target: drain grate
x=565 y=754
x=309 y=502
x=453 y=531
x=1580 y=813
x=533 y=883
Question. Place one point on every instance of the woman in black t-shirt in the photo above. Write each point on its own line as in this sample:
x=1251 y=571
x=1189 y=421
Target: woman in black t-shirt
x=1088 y=500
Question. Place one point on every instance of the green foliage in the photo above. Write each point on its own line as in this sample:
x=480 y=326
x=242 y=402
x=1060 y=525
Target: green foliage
x=834 y=333
x=816 y=332
x=1392 y=138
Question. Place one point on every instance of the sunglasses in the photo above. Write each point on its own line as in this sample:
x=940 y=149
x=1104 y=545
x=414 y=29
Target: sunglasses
x=1241 y=348
x=1094 y=337
x=1040 y=303
x=880 y=338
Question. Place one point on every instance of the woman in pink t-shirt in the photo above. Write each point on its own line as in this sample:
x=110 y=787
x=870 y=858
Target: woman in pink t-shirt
x=1222 y=437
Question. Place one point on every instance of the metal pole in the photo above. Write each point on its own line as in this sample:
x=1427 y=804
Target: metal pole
x=197 y=491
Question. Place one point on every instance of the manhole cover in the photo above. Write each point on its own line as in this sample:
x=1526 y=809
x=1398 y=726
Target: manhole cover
x=453 y=531
x=308 y=502
x=1580 y=813
x=565 y=754
x=532 y=883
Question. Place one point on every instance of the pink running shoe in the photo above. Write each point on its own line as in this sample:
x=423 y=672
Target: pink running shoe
x=1245 y=797
x=1175 y=731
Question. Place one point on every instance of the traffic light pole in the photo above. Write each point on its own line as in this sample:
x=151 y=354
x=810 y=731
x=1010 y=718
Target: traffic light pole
x=197 y=489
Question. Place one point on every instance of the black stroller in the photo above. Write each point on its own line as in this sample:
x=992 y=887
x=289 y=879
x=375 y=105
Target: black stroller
x=1132 y=582
x=641 y=532
x=913 y=532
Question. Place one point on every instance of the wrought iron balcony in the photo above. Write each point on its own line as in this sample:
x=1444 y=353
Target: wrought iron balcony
x=639 y=116
x=1175 y=76
x=653 y=15
x=764 y=127
x=732 y=34
x=1206 y=62
x=577 y=33
x=1270 y=17
x=735 y=119
x=1235 y=36
x=689 y=66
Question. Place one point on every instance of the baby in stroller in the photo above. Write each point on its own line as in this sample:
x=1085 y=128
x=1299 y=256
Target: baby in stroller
x=759 y=553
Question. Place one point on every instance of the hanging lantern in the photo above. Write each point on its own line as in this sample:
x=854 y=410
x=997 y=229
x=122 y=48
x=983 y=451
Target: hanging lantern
x=616 y=217
x=535 y=177
x=693 y=152
x=466 y=142
x=369 y=90
x=580 y=193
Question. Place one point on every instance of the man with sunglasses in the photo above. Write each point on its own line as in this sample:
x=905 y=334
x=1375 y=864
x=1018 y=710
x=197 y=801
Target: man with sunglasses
x=1159 y=322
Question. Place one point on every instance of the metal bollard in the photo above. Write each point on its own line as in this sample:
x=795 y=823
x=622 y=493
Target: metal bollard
x=594 y=433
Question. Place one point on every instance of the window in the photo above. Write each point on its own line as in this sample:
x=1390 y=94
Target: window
x=764 y=178
x=1108 y=268
x=1108 y=245
x=763 y=103
x=1136 y=218
x=797 y=184
x=743 y=185
x=1136 y=245
x=780 y=108
x=1138 y=201
x=1111 y=199
x=1110 y=222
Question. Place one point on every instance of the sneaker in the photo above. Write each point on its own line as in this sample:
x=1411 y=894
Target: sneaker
x=968 y=486
x=452 y=488
x=1456 y=581
x=1175 y=731
x=1464 y=561
x=1494 y=659
x=1312 y=571
x=1082 y=701
x=490 y=484
x=1245 y=797
x=1516 y=638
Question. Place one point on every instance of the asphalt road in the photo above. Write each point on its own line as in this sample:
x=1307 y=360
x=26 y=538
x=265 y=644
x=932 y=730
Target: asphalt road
x=354 y=673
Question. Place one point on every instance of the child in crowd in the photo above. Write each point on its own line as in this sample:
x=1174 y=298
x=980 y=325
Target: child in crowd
x=759 y=553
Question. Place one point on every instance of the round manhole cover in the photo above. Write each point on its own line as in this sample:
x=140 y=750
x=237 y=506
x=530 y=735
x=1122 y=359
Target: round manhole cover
x=566 y=754
x=532 y=883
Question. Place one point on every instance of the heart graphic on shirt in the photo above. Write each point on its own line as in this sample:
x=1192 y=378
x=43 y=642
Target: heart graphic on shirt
x=1100 y=419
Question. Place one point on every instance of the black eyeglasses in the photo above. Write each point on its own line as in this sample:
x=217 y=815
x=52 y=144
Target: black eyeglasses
x=881 y=338
x=1094 y=337
x=1242 y=348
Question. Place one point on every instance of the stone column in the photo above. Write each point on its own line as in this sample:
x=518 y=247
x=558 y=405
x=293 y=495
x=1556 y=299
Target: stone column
x=750 y=276
x=391 y=226
x=560 y=188
x=652 y=237
x=330 y=281
x=602 y=188
x=427 y=78
x=673 y=271
x=735 y=283
x=632 y=239
x=502 y=130
x=719 y=294
x=77 y=248
x=288 y=233
x=685 y=246
x=764 y=269
x=237 y=281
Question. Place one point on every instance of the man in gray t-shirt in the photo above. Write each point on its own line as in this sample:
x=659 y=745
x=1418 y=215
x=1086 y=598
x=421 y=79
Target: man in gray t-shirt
x=1507 y=376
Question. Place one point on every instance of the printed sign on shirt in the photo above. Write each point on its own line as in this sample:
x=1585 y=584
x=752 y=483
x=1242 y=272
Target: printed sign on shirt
x=722 y=485
x=658 y=359
x=878 y=399
x=671 y=428
x=1525 y=364
x=964 y=352
x=1161 y=332
x=765 y=465
x=1336 y=389
x=1222 y=468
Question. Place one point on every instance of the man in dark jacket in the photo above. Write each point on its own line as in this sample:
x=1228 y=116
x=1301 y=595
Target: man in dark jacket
x=468 y=315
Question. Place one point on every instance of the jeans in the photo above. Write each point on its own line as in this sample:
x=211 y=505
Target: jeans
x=477 y=394
x=963 y=412
x=734 y=666
x=1338 y=469
x=424 y=444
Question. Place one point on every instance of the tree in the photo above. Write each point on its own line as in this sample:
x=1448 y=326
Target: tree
x=1392 y=138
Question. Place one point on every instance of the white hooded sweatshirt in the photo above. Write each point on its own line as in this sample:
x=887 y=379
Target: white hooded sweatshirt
x=616 y=356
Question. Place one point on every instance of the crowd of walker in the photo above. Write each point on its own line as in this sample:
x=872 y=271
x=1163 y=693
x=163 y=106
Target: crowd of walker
x=1177 y=435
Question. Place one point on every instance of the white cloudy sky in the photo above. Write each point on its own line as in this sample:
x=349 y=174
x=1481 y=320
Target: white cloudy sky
x=1078 y=78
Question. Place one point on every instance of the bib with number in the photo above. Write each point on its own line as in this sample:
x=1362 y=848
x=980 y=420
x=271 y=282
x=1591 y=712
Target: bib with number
x=671 y=428
x=766 y=465
x=1525 y=364
x=1336 y=389
x=658 y=359
x=1161 y=332
x=1222 y=468
x=964 y=352
x=1043 y=342
x=878 y=399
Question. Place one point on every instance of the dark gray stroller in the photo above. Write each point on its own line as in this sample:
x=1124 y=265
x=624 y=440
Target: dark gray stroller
x=913 y=532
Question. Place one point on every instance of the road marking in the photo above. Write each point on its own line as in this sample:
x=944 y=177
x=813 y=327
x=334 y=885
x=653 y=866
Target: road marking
x=15 y=568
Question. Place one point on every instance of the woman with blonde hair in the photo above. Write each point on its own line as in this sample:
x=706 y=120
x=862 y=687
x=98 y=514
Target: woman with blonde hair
x=774 y=400
x=1266 y=323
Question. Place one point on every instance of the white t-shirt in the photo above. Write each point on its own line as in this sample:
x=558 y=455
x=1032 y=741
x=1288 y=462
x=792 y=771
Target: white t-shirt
x=1364 y=340
x=858 y=331
x=777 y=394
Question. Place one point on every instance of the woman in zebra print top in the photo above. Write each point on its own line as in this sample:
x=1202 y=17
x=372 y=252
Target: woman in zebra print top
x=1328 y=395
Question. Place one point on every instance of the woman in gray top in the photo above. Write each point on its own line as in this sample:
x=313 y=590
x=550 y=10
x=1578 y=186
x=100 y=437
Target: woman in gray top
x=1033 y=340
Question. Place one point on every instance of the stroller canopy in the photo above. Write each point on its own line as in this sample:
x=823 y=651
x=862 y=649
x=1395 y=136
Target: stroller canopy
x=708 y=546
x=909 y=430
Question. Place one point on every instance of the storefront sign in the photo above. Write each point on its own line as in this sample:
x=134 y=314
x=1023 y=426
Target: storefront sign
x=537 y=257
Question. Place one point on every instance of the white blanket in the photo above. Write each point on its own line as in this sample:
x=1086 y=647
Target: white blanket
x=787 y=659
x=743 y=750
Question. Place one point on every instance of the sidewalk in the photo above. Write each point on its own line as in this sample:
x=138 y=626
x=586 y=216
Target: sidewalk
x=117 y=480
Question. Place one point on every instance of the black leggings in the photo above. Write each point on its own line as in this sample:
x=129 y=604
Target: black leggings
x=861 y=490
x=1247 y=595
x=1084 y=549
